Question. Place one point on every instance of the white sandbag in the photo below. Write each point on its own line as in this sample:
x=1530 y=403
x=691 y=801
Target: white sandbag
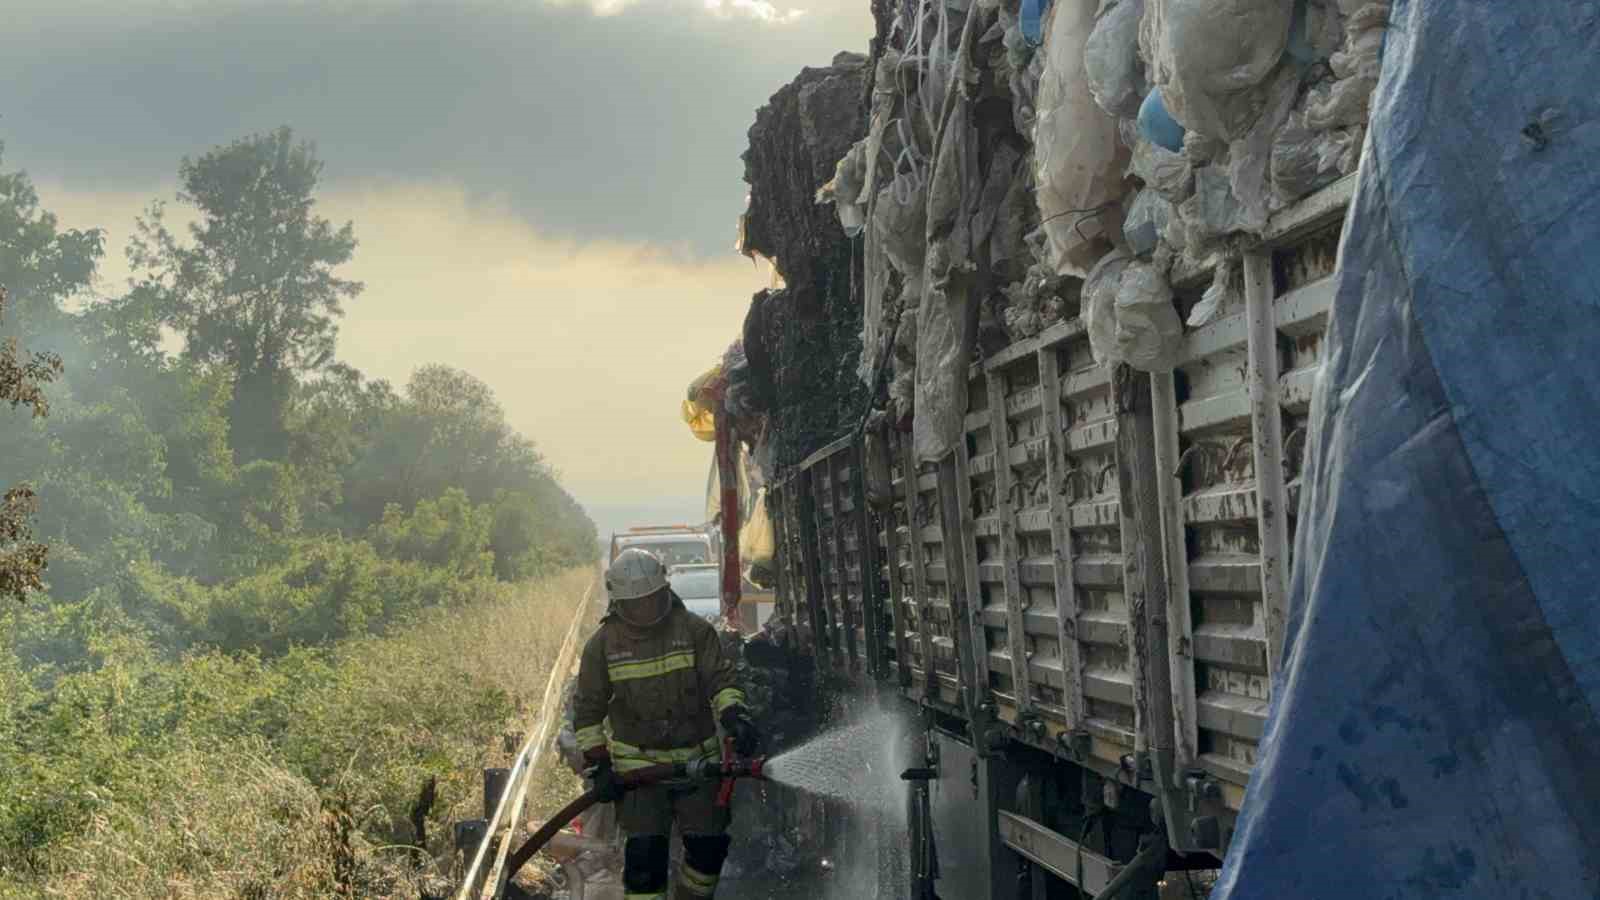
x=1078 y=158
x=1149 y=335
x=1099 y=304
x=1111 y=59
x=1209 y=57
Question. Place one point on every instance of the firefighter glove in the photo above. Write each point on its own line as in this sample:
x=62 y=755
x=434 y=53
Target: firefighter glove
x=607 y=784
x=736 y=722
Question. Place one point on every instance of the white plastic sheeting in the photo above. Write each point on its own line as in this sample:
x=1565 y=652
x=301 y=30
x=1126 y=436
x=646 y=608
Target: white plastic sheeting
x=1111 y=59
x=1210 y=57
x=944 y=324
x=1078 y=157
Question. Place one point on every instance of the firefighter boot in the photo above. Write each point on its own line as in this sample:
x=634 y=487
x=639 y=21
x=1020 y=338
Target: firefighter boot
x=702 y=865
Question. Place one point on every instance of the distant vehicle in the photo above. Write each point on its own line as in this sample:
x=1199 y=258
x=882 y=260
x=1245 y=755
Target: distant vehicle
x=673 y=544
x=700 y=586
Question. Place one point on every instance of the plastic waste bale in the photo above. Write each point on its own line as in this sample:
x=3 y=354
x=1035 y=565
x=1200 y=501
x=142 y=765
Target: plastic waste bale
x=1149 y=335
x=1078 y=157
x=1130 y=317
x=1009 y=254
x=1227 y=287
x=1157 y=126
x=900 y=218
x=1033 y=304
x=1250 y=157
x=844 y=190
x=1111 y=59
x=1298 y=165
x=1166 y=172
x=739 y=397
x=1100 y=306
x=944 y=333
x=1211 y=212
x=1355 y=68
x=1208 y=58
x=1146 y=221
x=944 y=342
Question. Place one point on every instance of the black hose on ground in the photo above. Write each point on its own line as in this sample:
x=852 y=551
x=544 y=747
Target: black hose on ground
x=747 y=768
x=630 y=780
x=538 y=839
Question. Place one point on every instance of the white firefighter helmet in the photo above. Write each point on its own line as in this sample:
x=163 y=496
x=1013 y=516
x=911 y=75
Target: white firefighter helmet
x=635 y=573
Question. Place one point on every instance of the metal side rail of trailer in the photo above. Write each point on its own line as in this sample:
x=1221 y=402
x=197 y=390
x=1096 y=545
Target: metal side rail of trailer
x=1086 y=598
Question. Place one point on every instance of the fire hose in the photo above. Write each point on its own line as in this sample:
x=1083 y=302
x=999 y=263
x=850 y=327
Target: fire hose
x=726 y=769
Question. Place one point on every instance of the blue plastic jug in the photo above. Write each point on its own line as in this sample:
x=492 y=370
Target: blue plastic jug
x=1157 y=126
x=1032 y=20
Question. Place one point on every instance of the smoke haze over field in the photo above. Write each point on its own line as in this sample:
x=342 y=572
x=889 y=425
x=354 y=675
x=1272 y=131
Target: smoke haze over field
x=544 y=195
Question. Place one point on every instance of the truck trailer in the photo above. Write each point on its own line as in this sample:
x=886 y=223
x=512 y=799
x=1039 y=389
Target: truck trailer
x=1284 y=590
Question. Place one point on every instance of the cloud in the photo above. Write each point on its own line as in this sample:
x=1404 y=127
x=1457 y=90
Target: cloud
x=589 y=346
x=620 y=127
x=755 y=9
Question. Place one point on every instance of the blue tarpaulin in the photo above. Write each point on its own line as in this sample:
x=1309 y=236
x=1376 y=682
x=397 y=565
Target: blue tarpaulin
x=1433 y=729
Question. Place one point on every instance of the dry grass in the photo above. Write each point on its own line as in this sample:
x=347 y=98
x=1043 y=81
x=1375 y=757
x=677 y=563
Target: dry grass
x=215 y=822
x=511 y=643
x=518 y=640
x=234 y=818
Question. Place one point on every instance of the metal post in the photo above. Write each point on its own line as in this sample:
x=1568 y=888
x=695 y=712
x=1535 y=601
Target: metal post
x=1006 y=513
x=821 y=637
x=1164 y=416
x=1266 y=422
x=867 y=556
x=494 y=785
x=1061 y=550
x=728 y=482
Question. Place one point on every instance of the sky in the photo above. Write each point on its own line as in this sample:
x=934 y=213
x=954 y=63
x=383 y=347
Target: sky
x=545 y=193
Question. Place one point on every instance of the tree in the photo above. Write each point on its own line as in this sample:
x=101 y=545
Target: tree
x=22 y=559
x=40 y=263
x=254 y=288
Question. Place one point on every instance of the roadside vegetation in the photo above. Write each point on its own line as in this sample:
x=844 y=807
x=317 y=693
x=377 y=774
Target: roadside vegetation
x=256 y=603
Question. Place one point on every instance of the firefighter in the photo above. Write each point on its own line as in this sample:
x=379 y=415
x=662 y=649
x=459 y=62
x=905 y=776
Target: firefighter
x=656 y=673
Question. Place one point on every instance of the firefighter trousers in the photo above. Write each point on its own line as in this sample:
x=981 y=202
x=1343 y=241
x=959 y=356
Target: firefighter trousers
x=647 y=815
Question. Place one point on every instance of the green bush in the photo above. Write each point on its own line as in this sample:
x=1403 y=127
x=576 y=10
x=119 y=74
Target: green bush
x=446 y=533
